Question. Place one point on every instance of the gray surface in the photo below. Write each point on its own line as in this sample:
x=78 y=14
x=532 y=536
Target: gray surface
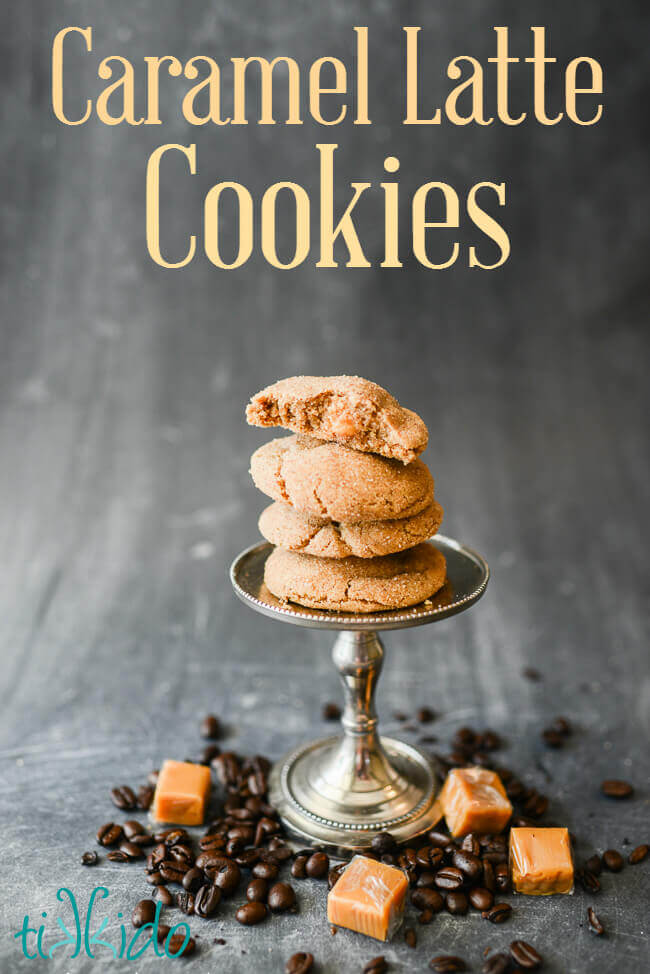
x=124 y=491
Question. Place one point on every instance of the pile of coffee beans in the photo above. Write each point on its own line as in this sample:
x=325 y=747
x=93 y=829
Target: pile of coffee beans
x=242 y=853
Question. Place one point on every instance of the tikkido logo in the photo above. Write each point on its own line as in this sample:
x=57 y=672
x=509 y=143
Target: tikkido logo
x=79 y=937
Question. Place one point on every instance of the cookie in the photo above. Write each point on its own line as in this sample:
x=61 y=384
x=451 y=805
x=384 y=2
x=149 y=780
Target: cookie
x=342 y=408
x=283 y=525
x=356 y=584
x=338 y=483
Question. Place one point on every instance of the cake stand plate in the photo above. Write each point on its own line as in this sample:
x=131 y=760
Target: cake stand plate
x=340 y=791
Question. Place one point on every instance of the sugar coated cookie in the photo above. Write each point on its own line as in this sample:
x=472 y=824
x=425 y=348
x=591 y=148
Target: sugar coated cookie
x=289 y=528
x=356 y=584
x=342 y=408
x=338 y=483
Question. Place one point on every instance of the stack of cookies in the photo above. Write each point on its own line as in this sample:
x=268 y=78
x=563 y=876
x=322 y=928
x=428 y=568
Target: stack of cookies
x=353 y=506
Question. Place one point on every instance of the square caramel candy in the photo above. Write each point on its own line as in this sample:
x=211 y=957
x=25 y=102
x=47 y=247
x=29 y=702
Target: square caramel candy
x=181 y=793
x=540 y=861
x=368 y=898
x=474 y=800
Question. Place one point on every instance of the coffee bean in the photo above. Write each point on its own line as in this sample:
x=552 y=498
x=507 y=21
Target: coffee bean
x=124 y=797
x=481 y=898
x=109 y=834
x=266 y=870
x=439 y=839
x=175 y=946
x=251 y=913
x=525 y=955
x=430 y=857
x=489 y=879
x=535 y=805
x=163 y=930
x=638 y=854
x=335 y=874
x=595 y=924
x=426 y=878
x=185 y=902
x=552 y=737
x=377 y=965
x=281 y=898
x=209 y=753
x=589 y=881
x=144 y=912
x=173 y=871
x=89 y=859
x=331 y=711
x=594 y=865
x=456 y=903
x=131 y=850
x=182 y=854
x=427 y=899
x=247 y=858
x=256 y=891
x=132 y=828
x=410 y=937
x=206 y=901
x=226 y=765
x=154 y=879
x=532 y=674
x=449 y=877
x=165 y=897
x=501 y=877
x=426 y=917
x=471 y=844
x=144 y=797
x=425 y=715
x=193 y=879
x=281 y=851
x=562 y=726
x=498 y=913
x=318 y=865
x=469 y=864
x=117 y=856
x=299 y=963
x=383 y=842
x=210 y=727
x=614 y=788
x=496 y=964
x=298 y=867
x=227 y=877
x=212 y=843
x=447 y=964
x=490 y=741
x=613 y=860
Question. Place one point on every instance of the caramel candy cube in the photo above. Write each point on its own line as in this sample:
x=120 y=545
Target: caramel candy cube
x=540 y=861
x=368 y=898
x=474 y=800
x=181 y=793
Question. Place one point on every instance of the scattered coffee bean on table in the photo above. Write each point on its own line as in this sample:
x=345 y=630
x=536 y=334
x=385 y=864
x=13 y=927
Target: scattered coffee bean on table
x=481 y=898
x=318 y=865
x=331 y=711
x=299 y=963
x=206 y=901
x=638 y=854
x=613 y=860
x=165 y=897
x=410 y=937
x=124 y=798
x=425 y=715
x=496 y=964
x=210 y=727
x=377 y=965
x=614 y=788
x=250 y=914
x=447 y=964
x=525 y=955
x=257 y=890
x=117 y=856
x=595 y=924
x=109 y=834
x=144 y=912
x=89 y=859
x=281 y=898
x=498 y=913
x=175 y=945
x=594 y=865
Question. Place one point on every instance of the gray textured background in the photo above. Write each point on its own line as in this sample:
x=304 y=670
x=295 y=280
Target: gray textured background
x=124 y=491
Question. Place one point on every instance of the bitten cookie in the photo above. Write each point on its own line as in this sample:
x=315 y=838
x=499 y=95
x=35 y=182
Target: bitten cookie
x=356 y=584
x=338 y=483
x=342 y=408
x=283 y=525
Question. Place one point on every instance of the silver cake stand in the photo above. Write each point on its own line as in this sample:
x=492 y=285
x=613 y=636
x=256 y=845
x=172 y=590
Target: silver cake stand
x=338 y=792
